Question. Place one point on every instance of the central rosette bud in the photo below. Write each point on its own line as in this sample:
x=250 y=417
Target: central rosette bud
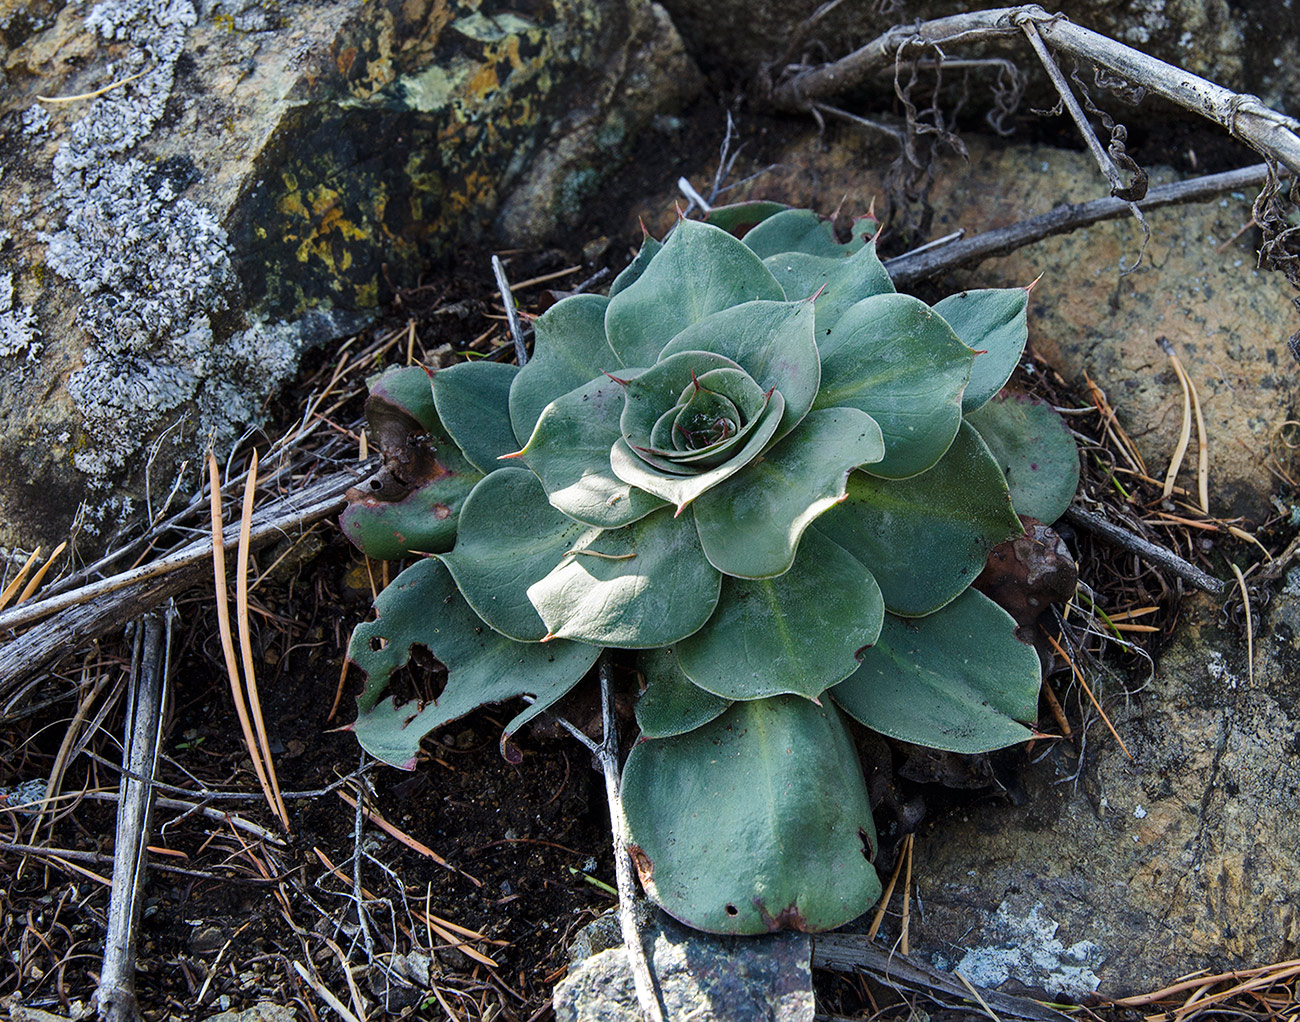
x=701 y=419
x=693 y=414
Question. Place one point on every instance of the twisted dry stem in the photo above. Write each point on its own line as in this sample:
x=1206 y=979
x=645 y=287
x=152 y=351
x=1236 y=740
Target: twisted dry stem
x=1268 y=132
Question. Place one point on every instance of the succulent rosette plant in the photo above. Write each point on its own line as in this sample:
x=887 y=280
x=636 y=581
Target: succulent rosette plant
x=772 y=479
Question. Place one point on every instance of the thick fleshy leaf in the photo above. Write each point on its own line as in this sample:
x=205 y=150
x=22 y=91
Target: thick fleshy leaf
x=473 y=402
x=795 y=634
x=757 y=821
x=643 y=470
x=405 y=390
x=412 y=503
x=803 y=231
x=700 y=270
x=1035 y=451
x=569 y=451
x=672 y=704
x=926 y=538
x=644 y=585
x=632 y=272
x=772 y=341
x=895 y=359
x=510 y=537
x=423 y=521
x=750 y=525
x=958 y=679
x=993 y=322
x=423 y=607
x=569 y=349
x=838 y=283
x=742 y=217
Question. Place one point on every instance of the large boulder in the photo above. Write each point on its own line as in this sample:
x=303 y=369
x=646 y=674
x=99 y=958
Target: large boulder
x=193 y=195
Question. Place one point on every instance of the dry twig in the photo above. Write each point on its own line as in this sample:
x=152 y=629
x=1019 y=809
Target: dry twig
x=116 y=994
x=1270 y=133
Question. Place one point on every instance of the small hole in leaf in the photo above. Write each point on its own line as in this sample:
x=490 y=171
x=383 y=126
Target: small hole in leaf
x=377 y=642
x=732 y=910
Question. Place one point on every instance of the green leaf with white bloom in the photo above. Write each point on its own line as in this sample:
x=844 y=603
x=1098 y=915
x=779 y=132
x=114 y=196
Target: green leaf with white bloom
x=641 y=586
x=772 y=341
x=794 y=634
x=510 y=537
x=632 y=272
x=473 y=401
x=666 y=386
x=926 y=538
x=757 y=821
x=803 y=231
x=993 y=322
x=892 y=357
x=569 y=451
x=1033 y=447
x=750 y=525
x=569 y=348
x=642 y=469
x=700 y=270
x=672 y=704
x=838 y=283
x=404 y=391
x=422 y=607
x=958 y=679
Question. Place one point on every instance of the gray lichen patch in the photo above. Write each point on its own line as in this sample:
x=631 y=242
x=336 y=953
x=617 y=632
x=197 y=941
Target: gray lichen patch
x=153 y=267
x=1024 y=946
x=18 y=331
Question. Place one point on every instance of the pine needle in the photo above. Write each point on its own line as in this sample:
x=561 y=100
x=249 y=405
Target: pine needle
x=884 y=898
x=1078 y=676
x=246 y=644
x=1250 y=628
x=1185 y=434
x=223 y=629
x=12 y=587
x=39 y=577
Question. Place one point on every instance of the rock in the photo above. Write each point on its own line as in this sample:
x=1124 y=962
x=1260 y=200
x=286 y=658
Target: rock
x=239 y=182
x=263 y=1011
x=703 y=977
x=1180 y=860
x=1249 y=46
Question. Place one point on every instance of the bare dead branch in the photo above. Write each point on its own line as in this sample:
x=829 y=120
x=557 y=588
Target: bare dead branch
x=918 y=265
x=116 y=993
x=93 y=610
x=1270 y=133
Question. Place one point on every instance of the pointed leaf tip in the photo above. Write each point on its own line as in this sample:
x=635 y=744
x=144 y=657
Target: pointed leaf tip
x=505 y=457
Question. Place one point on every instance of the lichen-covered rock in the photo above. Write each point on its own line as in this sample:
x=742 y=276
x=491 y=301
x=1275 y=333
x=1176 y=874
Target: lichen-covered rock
x=219 y=185
x=1180 y=860
x=701 y=976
